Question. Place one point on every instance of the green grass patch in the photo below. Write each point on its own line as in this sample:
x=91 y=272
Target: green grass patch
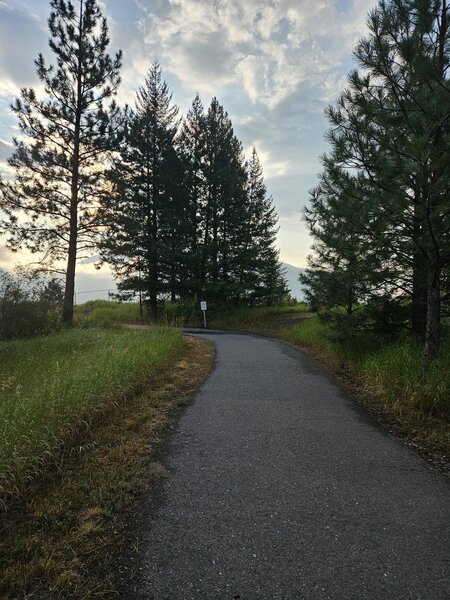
x=311 y=333
x=53 y=387
x=228 y=317
x=102 y=313
x=417 y=397
x=396 y=373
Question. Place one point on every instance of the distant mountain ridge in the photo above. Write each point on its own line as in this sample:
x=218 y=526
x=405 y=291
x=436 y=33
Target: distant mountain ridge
x=292 y=274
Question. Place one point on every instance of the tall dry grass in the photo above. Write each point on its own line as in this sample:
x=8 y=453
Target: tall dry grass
x=53 y=387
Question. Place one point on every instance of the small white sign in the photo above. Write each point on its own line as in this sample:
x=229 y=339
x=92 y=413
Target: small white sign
x=203 y=305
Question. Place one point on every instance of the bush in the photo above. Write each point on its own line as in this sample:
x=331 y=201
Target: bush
x=29 y=306
x=382 y=319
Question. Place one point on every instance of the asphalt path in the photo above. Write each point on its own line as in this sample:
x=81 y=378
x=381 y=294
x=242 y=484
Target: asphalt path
x=282 y=487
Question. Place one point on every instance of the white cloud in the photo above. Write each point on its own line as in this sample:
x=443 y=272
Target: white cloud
x=265 y=47
x=271 y=168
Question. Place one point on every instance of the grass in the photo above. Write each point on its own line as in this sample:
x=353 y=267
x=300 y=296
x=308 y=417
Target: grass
x=245 y=317
x=53 y=388
x=396 y=373
x=418 y=400
x=311 y=333
x=102 y=313
x=61 y=539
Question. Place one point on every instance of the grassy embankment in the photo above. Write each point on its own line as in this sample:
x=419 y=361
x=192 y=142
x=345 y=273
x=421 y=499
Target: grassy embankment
x=53 y=386
x=259 y=319
x=391 y=379
x=103 y=313
x=80 y=413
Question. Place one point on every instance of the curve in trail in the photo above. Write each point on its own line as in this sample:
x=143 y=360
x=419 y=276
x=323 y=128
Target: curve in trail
x=281 y=487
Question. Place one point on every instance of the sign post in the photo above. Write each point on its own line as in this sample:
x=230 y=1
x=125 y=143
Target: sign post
x=203 y=307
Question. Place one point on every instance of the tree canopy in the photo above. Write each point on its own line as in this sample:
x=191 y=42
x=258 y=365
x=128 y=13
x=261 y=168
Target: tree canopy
x=381 y=213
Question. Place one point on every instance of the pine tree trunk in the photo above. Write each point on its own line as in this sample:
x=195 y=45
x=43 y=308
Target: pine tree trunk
x=153 y=294
x=154 y=268
x=419 y=298
x=194 y=245
x=433 y=329
x=419 y=282
x=215 y=274
x=173 y=294
x=152 y=191
x=432 y=337
x=69 y=290
x=205 y=248
x=151 y=254
x=350 y=305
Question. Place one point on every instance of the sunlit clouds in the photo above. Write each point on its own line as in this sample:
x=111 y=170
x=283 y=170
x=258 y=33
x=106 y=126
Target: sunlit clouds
x=273 y=64
x=265 y=48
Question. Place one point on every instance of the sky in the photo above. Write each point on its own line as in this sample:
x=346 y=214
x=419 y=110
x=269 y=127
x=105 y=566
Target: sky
x=274 y=65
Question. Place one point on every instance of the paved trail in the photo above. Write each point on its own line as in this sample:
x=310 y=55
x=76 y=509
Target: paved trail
x=282 y=488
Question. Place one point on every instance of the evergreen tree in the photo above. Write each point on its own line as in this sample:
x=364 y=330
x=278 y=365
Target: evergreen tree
x=261 y=274
x=143 y=210
x=346 y=267
x=391 y=126
x=225 y=202
x=219 y=133
x=408 y=53
x=192 y=148
x=52 y=206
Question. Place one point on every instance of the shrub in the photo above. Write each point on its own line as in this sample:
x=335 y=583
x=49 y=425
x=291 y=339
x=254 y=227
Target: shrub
x=29 y=306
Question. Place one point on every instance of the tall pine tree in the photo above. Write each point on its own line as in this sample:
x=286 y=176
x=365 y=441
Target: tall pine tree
x=391 y=126
x=192 y=147
x=261 y=276
x=52 y=206
x=144 y=210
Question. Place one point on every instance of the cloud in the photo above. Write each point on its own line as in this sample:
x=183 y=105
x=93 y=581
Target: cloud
x=6 y=149
x=272 y=168
x=268 y=48
x=10 y=260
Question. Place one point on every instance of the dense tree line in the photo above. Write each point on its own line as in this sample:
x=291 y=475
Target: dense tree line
x=172 y=203
x=380 y=215
x=187 y=216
